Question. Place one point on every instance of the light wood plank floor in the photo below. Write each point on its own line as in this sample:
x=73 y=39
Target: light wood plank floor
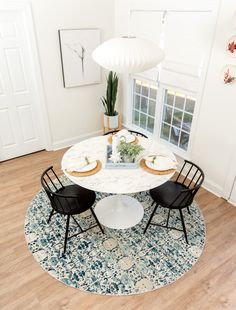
x=211 y=284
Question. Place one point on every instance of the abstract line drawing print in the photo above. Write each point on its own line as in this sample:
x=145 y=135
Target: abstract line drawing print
x=79 y=50
x=78 y=67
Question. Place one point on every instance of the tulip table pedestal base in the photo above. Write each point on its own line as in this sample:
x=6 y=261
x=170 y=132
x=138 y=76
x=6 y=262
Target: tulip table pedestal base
x=119 y=211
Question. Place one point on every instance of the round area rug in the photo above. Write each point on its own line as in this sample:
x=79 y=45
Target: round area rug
x=120 y=262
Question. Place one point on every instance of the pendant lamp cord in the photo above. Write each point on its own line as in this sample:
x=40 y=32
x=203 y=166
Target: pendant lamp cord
x=162 y=45
x=129 y=23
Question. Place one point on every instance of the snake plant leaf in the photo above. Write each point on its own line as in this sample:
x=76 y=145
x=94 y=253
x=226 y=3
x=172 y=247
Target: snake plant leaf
x=104 y=102
x=111 y=93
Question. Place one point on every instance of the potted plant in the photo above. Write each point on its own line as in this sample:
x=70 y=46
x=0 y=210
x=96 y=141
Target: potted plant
x=109 y=101
x=129 y=152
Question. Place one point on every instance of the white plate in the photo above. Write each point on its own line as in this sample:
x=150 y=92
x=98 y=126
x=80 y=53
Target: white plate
x=156 y=167
x=130 y=138
x=87 y=168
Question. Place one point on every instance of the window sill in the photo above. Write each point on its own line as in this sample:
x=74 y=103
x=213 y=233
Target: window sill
x=177 y=151
x=139 y=129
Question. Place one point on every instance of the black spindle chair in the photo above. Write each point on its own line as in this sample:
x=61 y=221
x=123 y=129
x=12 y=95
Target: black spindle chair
x=136 y=133
x=68 y=200
x=177 y=194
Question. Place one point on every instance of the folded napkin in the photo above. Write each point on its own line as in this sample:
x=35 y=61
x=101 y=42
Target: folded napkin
x=124 y=133
x=78 y=163
x=161 y=162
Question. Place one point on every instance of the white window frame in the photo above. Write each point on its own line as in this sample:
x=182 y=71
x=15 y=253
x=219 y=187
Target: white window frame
x=200 y=76
x=145 y=80
x=130 y=124
x=159 y=111
x=177 y=150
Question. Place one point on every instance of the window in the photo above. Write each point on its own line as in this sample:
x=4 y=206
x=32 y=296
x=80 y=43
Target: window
x=144 y=105
x=171 y=119
x=181 y=77
x=177 y=115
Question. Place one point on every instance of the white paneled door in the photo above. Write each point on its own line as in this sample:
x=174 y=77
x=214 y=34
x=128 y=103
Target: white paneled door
x=20 y=117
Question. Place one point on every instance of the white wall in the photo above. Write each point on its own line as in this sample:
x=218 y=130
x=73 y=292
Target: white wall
x=216 y=133
x=214 y=137
x=74 y=112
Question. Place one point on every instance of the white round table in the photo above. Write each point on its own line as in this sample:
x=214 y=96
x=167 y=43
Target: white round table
x=117 y=211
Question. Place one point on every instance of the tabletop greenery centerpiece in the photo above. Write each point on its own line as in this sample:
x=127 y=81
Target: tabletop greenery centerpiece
x=128 y=151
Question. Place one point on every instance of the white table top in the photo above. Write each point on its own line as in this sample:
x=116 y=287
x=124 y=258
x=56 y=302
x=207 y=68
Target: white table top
x=116 y=181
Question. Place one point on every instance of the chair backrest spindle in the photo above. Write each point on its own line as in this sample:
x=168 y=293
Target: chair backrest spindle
x=180 y=173
x=51 y=182
x=192 y=174
x=51 y=188
x=193 y=178
x=188 y=173
x=57 y=178
x=185 y=197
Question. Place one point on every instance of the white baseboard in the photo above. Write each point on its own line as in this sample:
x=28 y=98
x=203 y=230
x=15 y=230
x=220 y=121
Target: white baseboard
x=71 y=141
x=233 y=203
x=212 y=187
x=209 y=185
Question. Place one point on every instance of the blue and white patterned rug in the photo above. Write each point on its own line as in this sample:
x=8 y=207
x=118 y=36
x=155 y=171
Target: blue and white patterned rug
x=120 y=262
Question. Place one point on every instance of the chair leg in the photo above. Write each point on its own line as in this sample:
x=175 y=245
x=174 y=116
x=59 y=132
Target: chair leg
x=50 y=216
x=188 y=210
x=152 y=203
x=67 y=229
x=94 y=215
x=168 y=218
x=77 y=223
x=184 y=229
x=150 y=218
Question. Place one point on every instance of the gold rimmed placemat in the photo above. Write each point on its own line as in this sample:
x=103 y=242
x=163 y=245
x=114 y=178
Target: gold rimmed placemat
x=136 y=141
x=157 y=172
x=86 y=173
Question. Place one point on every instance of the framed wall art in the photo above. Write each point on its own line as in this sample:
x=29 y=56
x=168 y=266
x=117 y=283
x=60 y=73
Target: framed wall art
x=76 y=47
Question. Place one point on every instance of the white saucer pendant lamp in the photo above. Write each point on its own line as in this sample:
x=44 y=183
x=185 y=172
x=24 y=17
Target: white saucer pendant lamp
x=128 y=54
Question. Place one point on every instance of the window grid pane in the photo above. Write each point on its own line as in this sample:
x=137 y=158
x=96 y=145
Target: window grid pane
x=177 y=118
x=144 y=105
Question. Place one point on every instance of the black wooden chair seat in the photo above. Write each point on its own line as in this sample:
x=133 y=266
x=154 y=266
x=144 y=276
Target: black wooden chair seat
x=177 y=194
x=160 y=196
x=68 y=200
x=78 y=199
